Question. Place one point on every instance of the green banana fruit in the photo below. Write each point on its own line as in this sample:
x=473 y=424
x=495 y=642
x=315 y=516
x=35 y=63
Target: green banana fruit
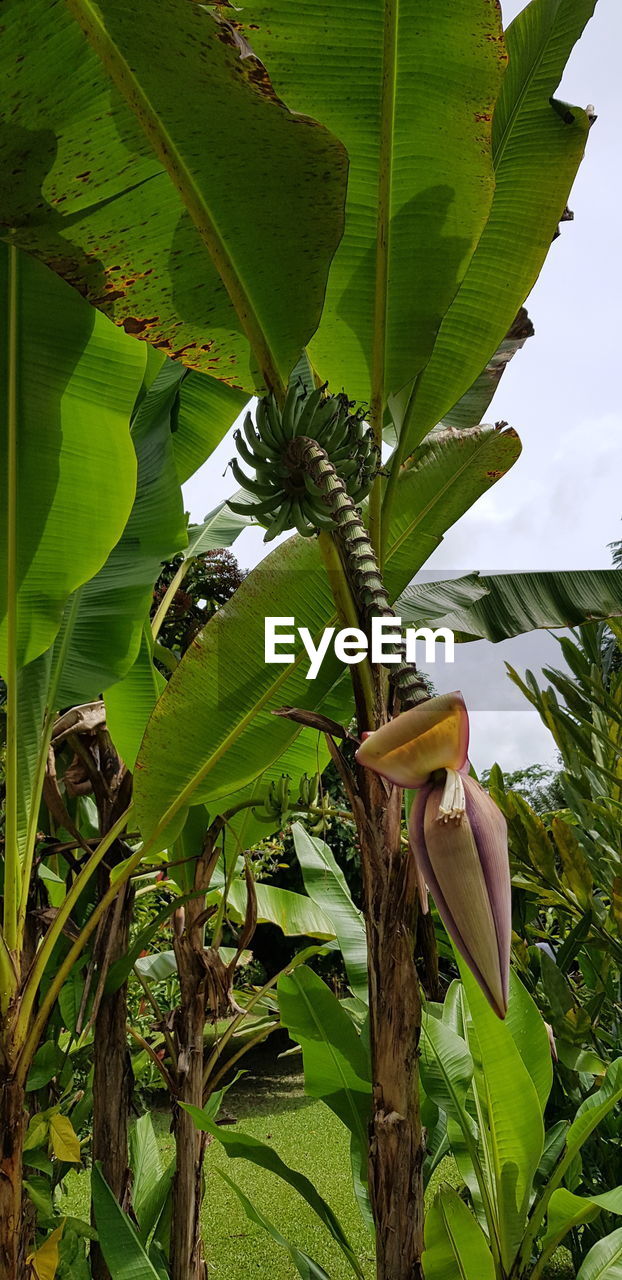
x=278 y=502
x=281 y=522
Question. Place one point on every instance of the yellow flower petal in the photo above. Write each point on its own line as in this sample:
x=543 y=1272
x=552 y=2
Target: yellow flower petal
x=407 y=750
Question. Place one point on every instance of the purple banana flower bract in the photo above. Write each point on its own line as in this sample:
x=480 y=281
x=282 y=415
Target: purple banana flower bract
x=458 y=836
x=464 y=862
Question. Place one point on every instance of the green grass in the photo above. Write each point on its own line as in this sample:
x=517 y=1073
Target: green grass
x=272 y=1106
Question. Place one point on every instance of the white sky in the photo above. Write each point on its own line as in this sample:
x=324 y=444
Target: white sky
x=562 y=502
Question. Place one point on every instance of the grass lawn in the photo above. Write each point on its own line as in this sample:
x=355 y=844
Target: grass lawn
x=271 y=1105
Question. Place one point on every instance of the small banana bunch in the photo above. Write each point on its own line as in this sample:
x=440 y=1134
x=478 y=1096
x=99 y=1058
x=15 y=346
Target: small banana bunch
x=319 y=820
x=278 y=806
x=308 y=791
x=276 y=803
x=283 y=495
x=316 y=807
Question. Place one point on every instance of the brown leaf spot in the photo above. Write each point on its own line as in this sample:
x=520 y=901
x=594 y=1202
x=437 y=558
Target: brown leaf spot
x=132 y=324
x=112 y=296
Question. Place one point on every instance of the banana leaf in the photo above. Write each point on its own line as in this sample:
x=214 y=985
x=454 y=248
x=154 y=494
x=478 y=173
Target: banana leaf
x=410 y=89
x=538 y=145
x=125 y=1256
x=68 y=463
x=150 y=170
x=497 y=606
x=455 y=1245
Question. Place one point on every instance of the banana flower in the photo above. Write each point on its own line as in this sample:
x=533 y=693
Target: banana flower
x=458 y=836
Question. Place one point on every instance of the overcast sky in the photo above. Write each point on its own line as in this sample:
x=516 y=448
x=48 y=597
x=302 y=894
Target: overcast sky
x=561 y=504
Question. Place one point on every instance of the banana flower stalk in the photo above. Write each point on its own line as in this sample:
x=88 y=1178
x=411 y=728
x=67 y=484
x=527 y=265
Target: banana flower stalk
x=458 y=836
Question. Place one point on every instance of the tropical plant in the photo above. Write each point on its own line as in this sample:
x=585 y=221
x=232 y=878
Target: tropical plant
x=233 y=257
x=106 y=521
x=202 y=582
x=490 y=1081
x=486 y=1088
x=566 y=873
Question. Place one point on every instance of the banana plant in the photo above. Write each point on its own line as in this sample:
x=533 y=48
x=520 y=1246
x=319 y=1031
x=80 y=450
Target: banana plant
x=65 y=510
x=136 y=1248
x=485 y=1088
x=335 y=1056
x=490 y=1082
x=98 y=496
x=460 y=167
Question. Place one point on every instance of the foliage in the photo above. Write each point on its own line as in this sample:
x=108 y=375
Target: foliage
x=538 y=784
x=232 y=251
x=490 y=1081
x=210 y=580
x=566 y=864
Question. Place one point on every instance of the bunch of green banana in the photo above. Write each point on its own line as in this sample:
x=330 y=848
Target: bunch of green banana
x=275 y=807
x=315 y=807
x=320 y=817
x=282 y=496
x=308 y=791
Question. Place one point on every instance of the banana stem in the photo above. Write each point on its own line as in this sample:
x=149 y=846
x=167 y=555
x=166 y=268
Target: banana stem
x=366 y=581
x=24 y=1028
x=347 y=611
x=12 y=866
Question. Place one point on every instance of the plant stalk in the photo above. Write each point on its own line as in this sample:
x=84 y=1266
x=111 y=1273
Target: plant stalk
x=367 y=586
x=12 y=869
x=16 y=1226
x=396 y=1147
x=204 y=991
x=168 y=597
x=112 y=1079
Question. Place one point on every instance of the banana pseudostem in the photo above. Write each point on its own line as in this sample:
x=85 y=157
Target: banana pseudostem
x=366 y=580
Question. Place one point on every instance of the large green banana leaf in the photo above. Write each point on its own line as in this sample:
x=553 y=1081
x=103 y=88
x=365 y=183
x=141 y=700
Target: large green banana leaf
x=538 y=145
x=604 y=1260
x=114 y=604
x=122 y=1249
x=201 y=215
x=529 y=1033
x=150 y=1182
x=294 y=913
x=455 y=1245
x=69 y=380
x=335 y=1057
x=244 y=1146
x=130 y=701
x=326 y=885
x=207 y=409
x=212 y=730
x=513 y=1132
x=410 y=88
x=497 y=606
x=180 y=418
x=446 y=1068
x=471 y=408
x=567 y=1210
